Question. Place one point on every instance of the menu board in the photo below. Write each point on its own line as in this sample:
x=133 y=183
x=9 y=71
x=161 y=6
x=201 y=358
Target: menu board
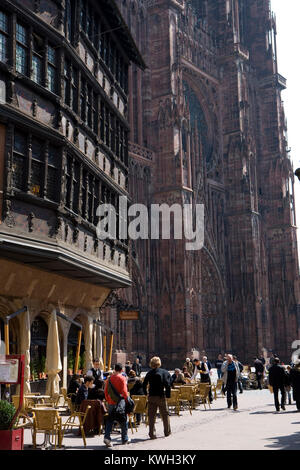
x=9 y=370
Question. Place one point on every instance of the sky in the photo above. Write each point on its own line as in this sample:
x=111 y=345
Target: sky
x=288 y=29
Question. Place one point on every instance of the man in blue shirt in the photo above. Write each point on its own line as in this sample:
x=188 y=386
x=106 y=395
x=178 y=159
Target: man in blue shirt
x=231 y=374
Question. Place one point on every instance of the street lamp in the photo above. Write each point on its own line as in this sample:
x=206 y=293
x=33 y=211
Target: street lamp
x=297 y=173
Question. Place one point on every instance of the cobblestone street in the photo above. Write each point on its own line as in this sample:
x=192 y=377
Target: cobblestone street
x=254 y=426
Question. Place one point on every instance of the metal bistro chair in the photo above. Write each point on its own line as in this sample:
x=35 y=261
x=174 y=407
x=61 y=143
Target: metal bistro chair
x=72 y=423
x=49 y=423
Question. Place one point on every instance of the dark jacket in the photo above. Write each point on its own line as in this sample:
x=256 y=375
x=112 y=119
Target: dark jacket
x=277 y=376
x=137 y=368
x=127 y=369
x=137 y=389
x=159 y=381
x=259 y=367
x=73 y=387
x=177 y=380
x=295 y=379
x=219 y=363
x=82 y=394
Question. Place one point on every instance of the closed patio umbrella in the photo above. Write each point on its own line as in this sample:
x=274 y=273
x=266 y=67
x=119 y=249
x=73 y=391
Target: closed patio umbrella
x=53 y=362
x=25 y=348
x=88 y=340
x=99 y=351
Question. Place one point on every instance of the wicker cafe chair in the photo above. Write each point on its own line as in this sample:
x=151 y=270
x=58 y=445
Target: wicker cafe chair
x=141 y=406
x=27 y=406
x=186 y=398
x=131 y=416
x=52 y=402
x=49 y=423
x=63 y=394
x=76 y=420
x=173 y=401
x=70 y=404
x=203 y=394
x=218 y=388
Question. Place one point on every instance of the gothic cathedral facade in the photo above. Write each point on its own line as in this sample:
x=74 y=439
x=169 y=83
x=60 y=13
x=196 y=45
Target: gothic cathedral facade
x=208 y=127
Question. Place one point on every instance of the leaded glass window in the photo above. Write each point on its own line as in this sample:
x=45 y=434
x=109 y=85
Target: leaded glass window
x=37 y=60
x=37 y=168
x=3 y=37
x=21 y=50
x=68 y=20
x=67 y=83
x=53 y=174
x=19 y=163
x=83 y=102
x=51 y=69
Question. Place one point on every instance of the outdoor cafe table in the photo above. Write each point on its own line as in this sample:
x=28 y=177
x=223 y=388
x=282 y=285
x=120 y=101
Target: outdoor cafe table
x=95 y=415
x=58 y=409
x=37 y=398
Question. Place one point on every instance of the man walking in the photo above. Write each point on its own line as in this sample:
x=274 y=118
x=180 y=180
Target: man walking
x=115 y=391
x=159 y=381
x=277 y=380
x=231 y=373
x=259 y=371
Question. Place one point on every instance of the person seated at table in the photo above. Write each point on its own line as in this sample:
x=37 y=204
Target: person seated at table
x=135 y=389
x=74 y=386
x=131 y=377
x=128 y=368
x=97 y=392
x=186 y=373
x=177 y=378
x=83 y=391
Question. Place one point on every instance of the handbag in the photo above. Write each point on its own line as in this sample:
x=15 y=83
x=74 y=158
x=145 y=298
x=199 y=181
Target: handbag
x=129 y=405
x=123 y=406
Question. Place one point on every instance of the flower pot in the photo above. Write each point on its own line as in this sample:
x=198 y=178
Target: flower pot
x=12 y=439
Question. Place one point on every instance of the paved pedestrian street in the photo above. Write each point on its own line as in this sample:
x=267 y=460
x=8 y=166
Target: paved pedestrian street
x=255 y=425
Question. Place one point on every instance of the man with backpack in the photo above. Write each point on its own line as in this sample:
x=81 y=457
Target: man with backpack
x=116 y=394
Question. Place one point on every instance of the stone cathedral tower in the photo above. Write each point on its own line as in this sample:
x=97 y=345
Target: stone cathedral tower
x=208 y=126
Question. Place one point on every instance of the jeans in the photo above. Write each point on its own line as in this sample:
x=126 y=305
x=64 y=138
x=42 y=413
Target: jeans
x=276 y=389
x=109 y=425
x=240 y=385
x=231 y=389
x=219 y=372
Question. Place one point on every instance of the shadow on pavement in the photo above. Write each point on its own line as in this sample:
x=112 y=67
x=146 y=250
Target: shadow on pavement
x=290 y=442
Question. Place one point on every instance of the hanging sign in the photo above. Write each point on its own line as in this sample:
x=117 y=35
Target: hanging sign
x=129 y=315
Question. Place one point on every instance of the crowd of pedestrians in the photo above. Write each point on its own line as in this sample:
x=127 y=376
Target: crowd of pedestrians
x=118 y=385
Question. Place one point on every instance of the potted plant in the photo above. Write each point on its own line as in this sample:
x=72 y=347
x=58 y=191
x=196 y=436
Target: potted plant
x=10 y=438
x=70 y=362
